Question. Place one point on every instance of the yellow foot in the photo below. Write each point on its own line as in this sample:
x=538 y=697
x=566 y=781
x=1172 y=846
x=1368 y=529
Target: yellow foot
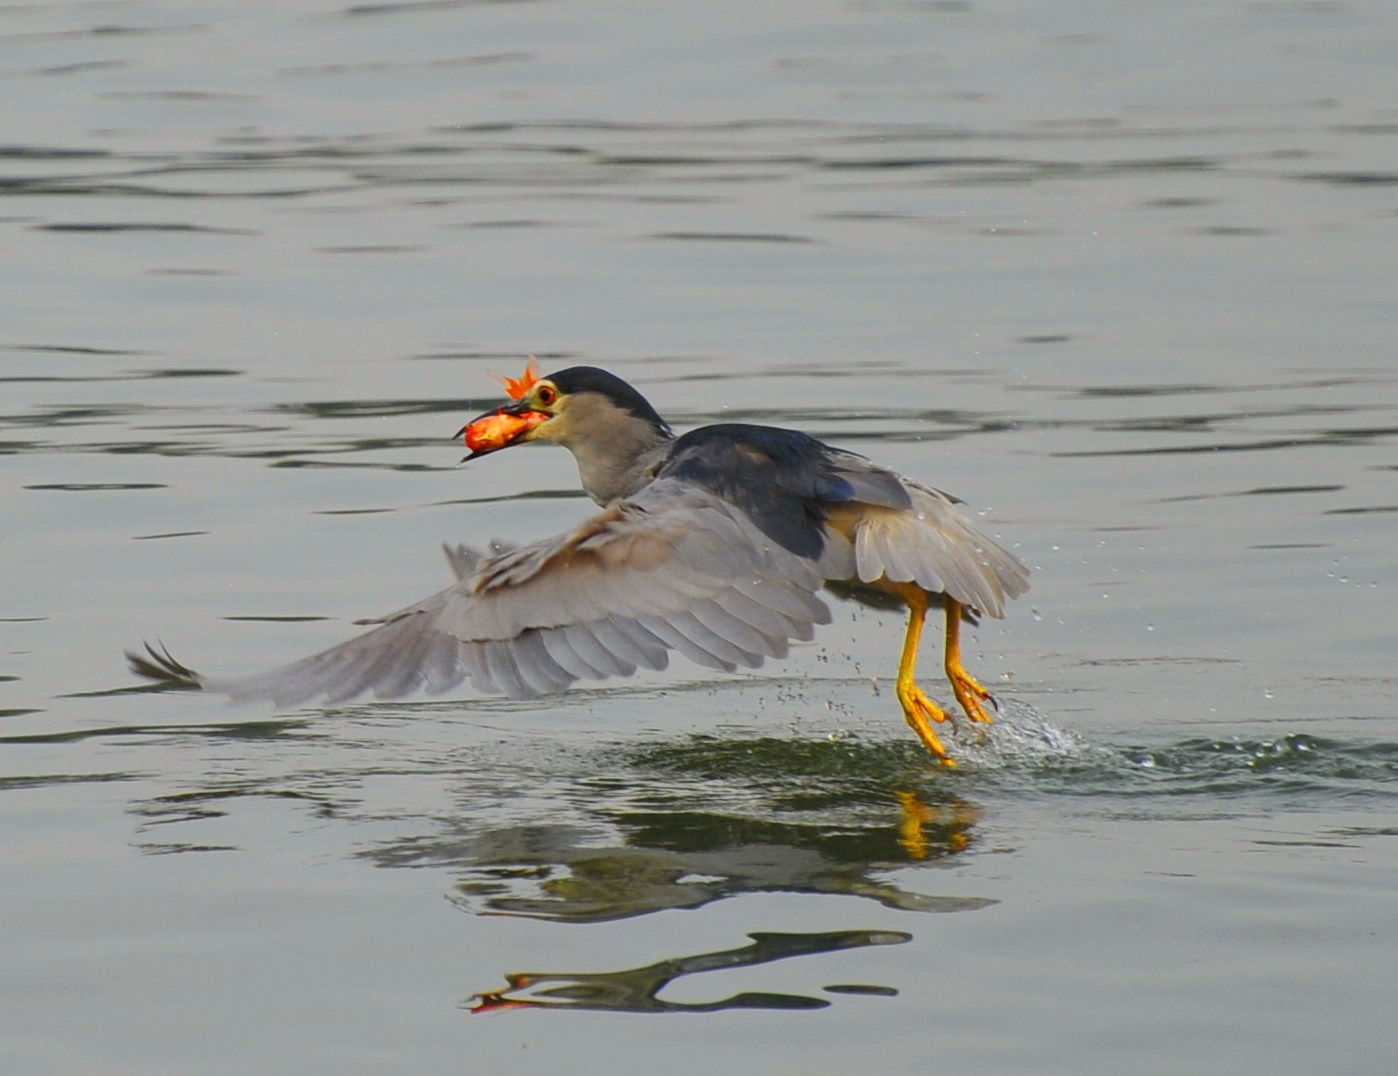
x=970 y=694
x=921 y=712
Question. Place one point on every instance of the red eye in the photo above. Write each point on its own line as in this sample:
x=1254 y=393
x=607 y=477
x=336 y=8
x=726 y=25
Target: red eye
x=546 y=395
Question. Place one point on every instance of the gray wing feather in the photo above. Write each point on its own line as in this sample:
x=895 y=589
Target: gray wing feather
x=558 y=648
x=618 y=643
x=541 y=668
x=769 y=622
x=685 y=634
x=594 y=652
x=673 y=568
x=652 y=649
x=462 y=559
x=737 y=633
x=868 y=482
x=441 y=664
x=934 y=545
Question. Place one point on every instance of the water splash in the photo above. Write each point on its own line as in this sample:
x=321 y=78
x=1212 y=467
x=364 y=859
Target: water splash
x=1021 y=737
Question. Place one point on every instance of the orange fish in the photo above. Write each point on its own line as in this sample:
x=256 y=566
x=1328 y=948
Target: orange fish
x=497 y=429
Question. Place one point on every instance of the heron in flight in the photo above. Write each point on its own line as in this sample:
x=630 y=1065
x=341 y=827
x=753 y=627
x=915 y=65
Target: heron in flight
x=714 y=544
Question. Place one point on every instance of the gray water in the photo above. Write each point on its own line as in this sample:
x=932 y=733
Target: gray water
x=1119 y=274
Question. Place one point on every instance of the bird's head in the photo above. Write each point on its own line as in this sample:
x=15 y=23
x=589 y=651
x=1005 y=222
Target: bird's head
x=579 y=406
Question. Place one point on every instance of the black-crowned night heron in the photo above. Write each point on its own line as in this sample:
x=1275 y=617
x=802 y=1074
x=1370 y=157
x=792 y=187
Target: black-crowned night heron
x=714 y=544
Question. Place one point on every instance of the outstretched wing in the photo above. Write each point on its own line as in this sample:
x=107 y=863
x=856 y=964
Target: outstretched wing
x=673 y=568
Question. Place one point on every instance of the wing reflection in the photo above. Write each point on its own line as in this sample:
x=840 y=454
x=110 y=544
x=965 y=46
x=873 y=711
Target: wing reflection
x=635 y=989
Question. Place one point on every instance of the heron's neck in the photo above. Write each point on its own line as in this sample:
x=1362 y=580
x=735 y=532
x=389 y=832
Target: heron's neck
x=620 y=462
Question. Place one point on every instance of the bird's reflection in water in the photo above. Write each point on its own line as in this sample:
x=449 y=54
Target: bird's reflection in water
x=686 y=859
x=617 y=831
x=680 y=825
x=636 y=989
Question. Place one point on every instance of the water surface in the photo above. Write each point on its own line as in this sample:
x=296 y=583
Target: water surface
x=1118 y=276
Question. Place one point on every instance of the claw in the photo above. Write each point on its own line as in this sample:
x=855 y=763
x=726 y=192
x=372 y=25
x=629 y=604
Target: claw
x=970 y=695
x=921 y=712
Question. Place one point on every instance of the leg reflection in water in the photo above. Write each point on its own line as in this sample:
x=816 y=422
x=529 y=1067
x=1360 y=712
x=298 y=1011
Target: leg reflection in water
x=927 y=829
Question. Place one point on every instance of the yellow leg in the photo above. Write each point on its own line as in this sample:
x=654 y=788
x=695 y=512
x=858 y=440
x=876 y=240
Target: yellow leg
x=917 y=707
x=968 y=692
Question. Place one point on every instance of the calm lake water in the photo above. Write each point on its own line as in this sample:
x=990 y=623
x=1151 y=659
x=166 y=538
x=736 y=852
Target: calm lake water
x=1119 y=274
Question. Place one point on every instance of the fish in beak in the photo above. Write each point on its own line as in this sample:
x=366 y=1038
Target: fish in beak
x=505 y=425
x=499 y=429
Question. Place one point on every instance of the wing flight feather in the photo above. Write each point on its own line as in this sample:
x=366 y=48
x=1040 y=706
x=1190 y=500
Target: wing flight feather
x=673 y=568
